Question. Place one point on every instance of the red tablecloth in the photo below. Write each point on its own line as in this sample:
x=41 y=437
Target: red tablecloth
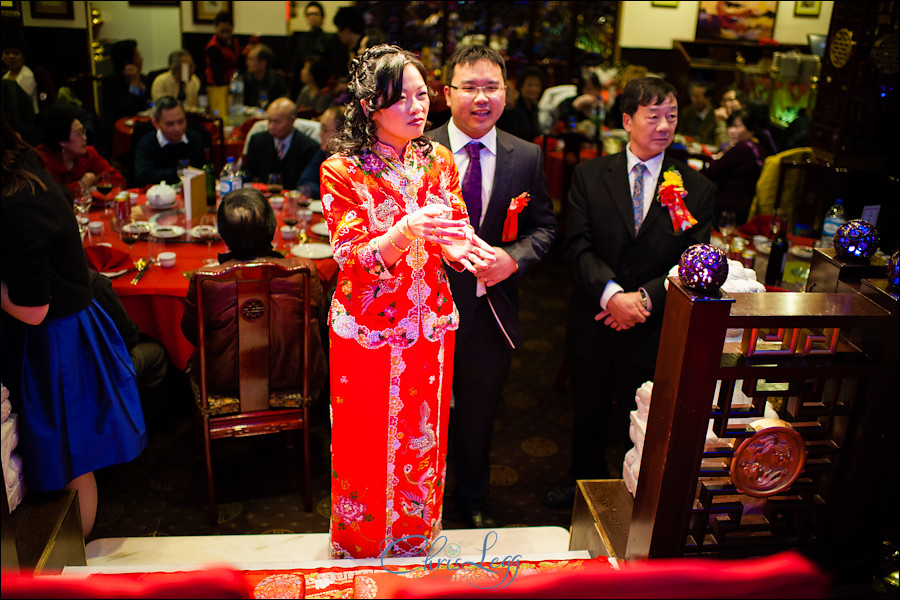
x=156 y=302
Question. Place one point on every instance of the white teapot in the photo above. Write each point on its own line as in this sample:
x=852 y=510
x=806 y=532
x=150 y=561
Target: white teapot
x=161 y=194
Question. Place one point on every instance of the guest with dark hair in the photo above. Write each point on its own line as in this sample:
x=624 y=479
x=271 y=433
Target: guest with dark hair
x=316 y=94
x=222 y=52
x=262 y=84
x=340 y=49
x=732 y=100
x=310 y=43
x=179 y=81
x=68 y=157
x=126 y=92
x=63 y=358
x=520 y=117
x=737 y=169
x=247 y=224
x=18 y=71
x=586 y=101
x=332 y=122
x=759 y=112
x=159 y=152
x=620 y=243
x=395 y=215
x=698 y=119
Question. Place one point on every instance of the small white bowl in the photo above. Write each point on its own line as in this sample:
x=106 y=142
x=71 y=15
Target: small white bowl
x=95 y=227
x=166 y=259
x=287 y=232
x=277 y=202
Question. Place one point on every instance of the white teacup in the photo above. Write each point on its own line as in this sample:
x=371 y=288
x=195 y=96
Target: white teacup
x=166 y=259
x=288 y=233
x=277 y=201
x=95 y=227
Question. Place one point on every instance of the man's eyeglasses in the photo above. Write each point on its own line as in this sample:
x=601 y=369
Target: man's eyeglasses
x=472 y=90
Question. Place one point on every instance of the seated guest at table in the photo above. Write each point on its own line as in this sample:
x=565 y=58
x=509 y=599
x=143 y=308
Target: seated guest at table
x=126 y=91
x=332 y=121
x=67 y=156
x=732 y=100
x=147 y=355
x=222 y=52
x=316 y=95
x=698 y=119
x=247 y=223
x=520 y=117
x=63 y=358
x=585 y=103
x=737 y=169
x=158 y=153
x=261 y=83
x=173 y=82
x=282 y=148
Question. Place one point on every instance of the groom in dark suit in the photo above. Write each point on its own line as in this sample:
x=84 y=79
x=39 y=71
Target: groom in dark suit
x=621 y=242
x=281 y=149
x=499 y=169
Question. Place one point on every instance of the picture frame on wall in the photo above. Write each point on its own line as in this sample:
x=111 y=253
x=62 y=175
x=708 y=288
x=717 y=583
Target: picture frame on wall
x=807 y=9
x=62 y=10
x=205 y=12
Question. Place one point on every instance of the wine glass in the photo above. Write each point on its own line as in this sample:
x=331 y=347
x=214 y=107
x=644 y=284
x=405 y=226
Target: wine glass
x=727 y=227
x=290 y=213
x=274 y=184
x=105 y=186
x=183 y=165
x=129 y=233
x=82 y=206
x=208 y=231
x=305 y=195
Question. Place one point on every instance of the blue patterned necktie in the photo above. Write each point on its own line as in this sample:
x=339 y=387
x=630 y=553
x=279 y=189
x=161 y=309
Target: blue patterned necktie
x=471 y=185
x=637 y=195
x=281 y=149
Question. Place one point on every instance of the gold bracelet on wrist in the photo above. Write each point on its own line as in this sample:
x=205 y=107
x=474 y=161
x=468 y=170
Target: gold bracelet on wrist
x=398 y=248
x=403 y=225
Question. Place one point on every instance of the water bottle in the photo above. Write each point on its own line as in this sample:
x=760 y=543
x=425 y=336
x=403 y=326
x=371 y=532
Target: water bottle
x=228 y=179
x=834 y=218
x=236 y=90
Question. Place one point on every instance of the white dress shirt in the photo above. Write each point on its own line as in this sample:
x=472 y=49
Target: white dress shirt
x=487 y=157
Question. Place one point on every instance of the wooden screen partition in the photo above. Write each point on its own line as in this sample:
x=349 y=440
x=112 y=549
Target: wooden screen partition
x=828 y=364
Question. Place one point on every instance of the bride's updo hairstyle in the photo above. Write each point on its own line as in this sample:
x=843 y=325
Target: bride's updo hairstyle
x=376 y=76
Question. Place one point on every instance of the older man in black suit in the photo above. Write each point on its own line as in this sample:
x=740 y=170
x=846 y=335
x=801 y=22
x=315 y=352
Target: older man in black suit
x=282 y=148
x=621 y=242
x=494 y=174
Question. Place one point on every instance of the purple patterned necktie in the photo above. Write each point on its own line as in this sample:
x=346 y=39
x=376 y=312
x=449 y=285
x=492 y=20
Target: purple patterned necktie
x=471 y=185
x=280 y=149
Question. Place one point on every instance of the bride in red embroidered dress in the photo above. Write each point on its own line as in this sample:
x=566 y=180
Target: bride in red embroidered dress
x=395 y=217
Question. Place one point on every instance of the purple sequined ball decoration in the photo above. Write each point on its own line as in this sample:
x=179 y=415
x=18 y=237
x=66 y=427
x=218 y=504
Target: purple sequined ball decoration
x=893 y=270
x=856 y=239
x=703 y=267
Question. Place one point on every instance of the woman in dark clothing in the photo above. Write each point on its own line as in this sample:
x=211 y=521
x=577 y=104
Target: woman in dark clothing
x=65 y=364
x=521 y=117
x=737 y=169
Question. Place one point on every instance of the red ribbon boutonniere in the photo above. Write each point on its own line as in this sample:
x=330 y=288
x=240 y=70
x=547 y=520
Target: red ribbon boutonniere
x=671 y=195
x=511 y=225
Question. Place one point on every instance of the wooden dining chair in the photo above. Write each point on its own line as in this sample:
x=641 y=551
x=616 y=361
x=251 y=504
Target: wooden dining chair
x=257 y=409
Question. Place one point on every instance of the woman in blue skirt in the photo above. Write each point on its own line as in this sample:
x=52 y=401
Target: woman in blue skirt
x=69 y=374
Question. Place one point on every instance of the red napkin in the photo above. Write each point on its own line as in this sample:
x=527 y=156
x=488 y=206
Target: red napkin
x=104 y=259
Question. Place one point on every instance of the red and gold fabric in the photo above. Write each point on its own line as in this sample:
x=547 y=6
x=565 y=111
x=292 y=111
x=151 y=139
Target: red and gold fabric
x=391 y=334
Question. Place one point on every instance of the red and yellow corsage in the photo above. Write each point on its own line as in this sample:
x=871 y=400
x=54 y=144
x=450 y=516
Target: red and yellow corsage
x=671 y=195
x=511 y=224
